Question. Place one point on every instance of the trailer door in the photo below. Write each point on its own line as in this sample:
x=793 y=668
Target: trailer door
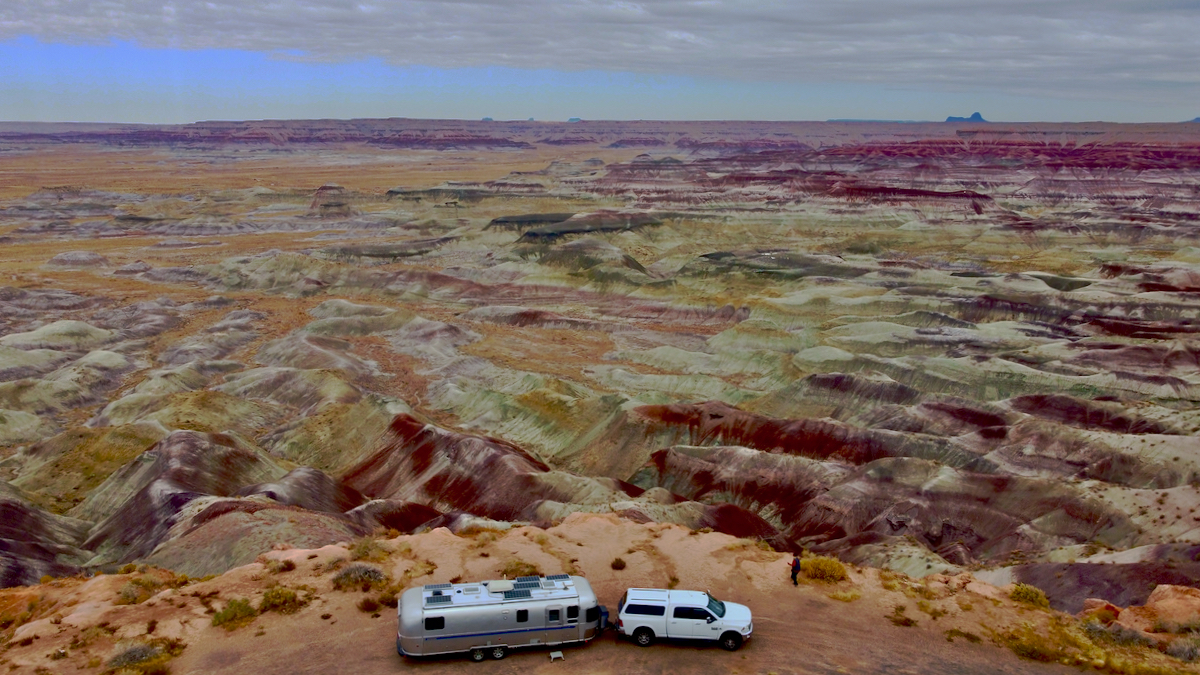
x=554 y=622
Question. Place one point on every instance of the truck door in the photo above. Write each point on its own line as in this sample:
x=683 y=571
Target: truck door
x=554 y=621
x=707 y=625
x=685 y=622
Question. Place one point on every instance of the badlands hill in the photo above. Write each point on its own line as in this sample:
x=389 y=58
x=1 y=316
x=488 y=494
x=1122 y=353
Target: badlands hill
x=932 y=349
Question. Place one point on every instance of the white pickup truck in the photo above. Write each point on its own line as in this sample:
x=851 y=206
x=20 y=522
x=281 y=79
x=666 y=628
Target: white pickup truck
x=647 y=614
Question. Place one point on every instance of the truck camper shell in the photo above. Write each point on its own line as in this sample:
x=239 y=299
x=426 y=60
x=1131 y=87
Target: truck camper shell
x=488 y=618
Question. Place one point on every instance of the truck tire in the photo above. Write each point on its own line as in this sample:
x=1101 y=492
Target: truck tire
x=499 y=653
x=644 y=637
x=478 y=655
x=731 y=641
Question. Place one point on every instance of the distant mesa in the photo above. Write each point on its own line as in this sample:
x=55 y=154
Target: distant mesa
x=574 y=119
x=487 y=119
x=1196 y=120
x=975 y=117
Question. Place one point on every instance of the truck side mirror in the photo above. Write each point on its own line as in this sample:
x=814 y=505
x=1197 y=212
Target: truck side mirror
x=711 y=618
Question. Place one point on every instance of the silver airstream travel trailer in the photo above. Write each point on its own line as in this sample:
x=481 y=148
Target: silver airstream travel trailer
x=490 y=617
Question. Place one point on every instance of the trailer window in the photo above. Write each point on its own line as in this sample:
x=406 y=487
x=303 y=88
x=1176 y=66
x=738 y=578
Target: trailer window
x=573 y=612
x=522 y=615
x=552 y=615
x=593 y=614
x=435 y=623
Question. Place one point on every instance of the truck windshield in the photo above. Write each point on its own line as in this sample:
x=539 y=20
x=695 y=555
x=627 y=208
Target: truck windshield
x=716 y=607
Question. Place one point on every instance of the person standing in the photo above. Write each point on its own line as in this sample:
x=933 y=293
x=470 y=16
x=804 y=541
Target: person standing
x=795 y=569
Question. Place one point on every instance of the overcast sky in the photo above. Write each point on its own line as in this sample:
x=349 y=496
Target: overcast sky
x=146 y=61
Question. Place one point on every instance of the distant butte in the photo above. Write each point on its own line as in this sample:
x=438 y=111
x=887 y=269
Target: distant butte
x=975 y=117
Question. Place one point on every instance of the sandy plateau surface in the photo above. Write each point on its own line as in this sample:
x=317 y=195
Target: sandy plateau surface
x=797 y=630
x=959 y=358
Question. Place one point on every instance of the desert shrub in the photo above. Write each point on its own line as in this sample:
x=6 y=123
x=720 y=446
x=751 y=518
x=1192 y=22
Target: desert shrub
x=1030 y=643
x=931 y=609
x=1030 y=595
x=519 y=568
x=133 y=655
x=279 y=566
x=146 y=658
x=237 y=613
x=1055 y=641
x=359 y=575
x=1128 y=637
x=138 y=590
x=388 y=597
x=281 y=599
x=368 y=548
x=672 y=582
x=151 y=626
x=899 y=618
x=618 y=563
x=821 y=568
x=845 y=596
x=368 y=604
x=128 y=568
x=1183 y=649
x=956 y=633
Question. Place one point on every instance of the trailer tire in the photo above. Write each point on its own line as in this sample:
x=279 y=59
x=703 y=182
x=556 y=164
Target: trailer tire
x=644 y=637
x=499 y=653
x=478 y=655
x=731 y=641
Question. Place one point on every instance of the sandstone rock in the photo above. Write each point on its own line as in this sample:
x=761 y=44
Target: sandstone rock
x=1179 y=605
x=1137 y=618
x=1101 y=610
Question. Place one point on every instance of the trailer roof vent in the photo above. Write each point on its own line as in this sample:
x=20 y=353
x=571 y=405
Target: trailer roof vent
x=438 y=599
x=532 y=578
x=517 y=594
x=558 y=577
x=438 y=587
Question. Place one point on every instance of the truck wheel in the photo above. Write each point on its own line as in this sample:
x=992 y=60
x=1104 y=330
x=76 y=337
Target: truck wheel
x=731 y=641
x=478 y=655
x=644 y=637
x=499 y=653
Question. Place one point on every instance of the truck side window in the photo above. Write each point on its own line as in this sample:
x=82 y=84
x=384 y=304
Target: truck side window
x=682 y=613
x=552 y=616
x=435 y=623
x=573 y=612
x=646 y=610
x=522 y=615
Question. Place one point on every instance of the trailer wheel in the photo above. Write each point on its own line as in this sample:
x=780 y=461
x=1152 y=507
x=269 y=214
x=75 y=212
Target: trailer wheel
x=478 y=655
x=644 y=637
x=731 y=641
x=499 y=653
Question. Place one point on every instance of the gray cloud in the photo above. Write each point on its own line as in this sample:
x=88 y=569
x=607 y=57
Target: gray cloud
x=1096 y=49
